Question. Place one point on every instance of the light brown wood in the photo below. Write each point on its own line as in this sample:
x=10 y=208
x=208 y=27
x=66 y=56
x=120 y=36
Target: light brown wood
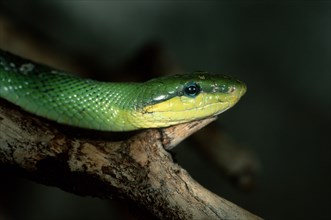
x=138 y=170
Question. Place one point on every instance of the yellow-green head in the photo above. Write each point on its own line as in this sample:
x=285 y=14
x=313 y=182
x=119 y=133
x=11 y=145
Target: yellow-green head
x=181 y=98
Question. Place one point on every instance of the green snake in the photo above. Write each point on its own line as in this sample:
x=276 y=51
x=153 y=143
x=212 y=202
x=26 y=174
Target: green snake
x=110 y=106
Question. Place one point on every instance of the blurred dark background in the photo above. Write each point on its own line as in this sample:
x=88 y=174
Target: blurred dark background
x=281 y=49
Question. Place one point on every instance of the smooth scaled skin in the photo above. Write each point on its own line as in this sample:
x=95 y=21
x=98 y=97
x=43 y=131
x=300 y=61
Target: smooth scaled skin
x=91 y=104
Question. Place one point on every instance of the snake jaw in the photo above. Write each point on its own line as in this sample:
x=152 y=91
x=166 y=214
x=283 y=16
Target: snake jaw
x=182 y=109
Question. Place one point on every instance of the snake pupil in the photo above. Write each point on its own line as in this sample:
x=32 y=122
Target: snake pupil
x=192 y=89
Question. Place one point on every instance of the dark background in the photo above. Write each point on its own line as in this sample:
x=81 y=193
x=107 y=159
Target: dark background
x=281 y=50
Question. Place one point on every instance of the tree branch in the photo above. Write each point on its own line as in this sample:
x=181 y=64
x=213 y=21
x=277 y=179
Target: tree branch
x=138 y=169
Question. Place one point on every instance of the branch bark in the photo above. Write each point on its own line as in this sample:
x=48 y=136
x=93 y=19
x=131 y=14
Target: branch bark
x=138 y=170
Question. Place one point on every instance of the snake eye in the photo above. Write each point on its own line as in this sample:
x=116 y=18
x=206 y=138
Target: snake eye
x=192 y=89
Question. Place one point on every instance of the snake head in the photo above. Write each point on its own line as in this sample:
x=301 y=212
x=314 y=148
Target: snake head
x=187 y=97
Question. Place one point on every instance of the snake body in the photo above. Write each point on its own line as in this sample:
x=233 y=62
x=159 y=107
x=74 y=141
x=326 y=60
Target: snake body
x=108 y=106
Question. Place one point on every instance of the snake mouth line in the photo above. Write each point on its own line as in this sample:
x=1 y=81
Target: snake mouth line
x=227 y=103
